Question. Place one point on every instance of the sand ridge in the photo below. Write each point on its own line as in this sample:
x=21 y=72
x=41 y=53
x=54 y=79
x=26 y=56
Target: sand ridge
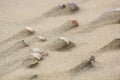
x=71 y=55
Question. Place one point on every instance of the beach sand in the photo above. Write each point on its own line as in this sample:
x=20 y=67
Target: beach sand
x=69 y=37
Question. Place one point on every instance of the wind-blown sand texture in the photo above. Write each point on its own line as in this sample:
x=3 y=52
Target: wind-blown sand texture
x=59 y=39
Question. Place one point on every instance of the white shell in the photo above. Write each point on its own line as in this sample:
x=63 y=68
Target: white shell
x=31 y=30
x=65 y=39
x=37 y=55
x=42 y=38
x=38 y=50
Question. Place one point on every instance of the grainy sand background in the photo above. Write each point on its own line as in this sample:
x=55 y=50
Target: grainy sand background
x=17 y=14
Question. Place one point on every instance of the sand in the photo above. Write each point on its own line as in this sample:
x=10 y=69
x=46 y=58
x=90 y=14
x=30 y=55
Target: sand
x=69 y=45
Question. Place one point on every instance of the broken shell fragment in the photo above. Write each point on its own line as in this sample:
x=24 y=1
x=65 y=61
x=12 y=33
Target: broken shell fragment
x=73 y=6
x=38 y=56
x=74 y=23
x=29 y=29
x=38 y=50
x=41 y=38
x=65 y=39
x=30 y=62
x=44 y=54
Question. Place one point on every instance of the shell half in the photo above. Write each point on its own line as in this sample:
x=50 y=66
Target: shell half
x=29 y=29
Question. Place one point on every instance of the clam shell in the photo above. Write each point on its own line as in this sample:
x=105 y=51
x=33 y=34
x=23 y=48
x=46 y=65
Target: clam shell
x=41 y=38
x=65 y=39
x=37 y=55
x=38 y=50
x=31 y=30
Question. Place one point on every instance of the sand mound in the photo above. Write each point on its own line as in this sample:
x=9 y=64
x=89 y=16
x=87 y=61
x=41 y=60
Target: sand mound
x=65 y=27
x=59 y=44
x=17 y=46
x=86 y=63
x=114 y=44
x=24 y=33
x=110 y=17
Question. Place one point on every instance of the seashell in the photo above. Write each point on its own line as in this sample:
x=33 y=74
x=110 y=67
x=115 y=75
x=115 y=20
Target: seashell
x=73 y=6
x=65 y=39
x=30 y=62
x=29 y=29
x=38 y=56
x=42 y=52
x=62 y=5
x=74 y=23
x=41 y=38
x=38 y=50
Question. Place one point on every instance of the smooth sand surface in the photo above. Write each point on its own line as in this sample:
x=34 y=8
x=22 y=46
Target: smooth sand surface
x=98 y=35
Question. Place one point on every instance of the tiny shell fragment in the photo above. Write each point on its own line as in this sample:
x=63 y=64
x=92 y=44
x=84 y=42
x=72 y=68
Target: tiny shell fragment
x=37 y=55
x=41 y=38
x=31 y=30
x=65 y=39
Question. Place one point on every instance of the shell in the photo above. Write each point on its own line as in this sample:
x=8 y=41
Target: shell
x=74 y=23
x=38 y=50
x=38 y=56
x=29 y=29
x=30 y=61
x=62 y=5
x=65 y=39
x=41 y=38
x=73 y=6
